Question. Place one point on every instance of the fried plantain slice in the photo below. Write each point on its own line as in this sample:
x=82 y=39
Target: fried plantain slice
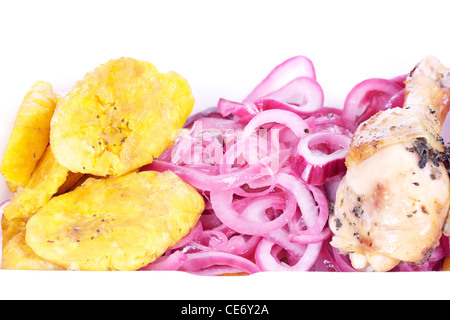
x=30 y=135
x=121 y=223
x=48 y=177
x=17 y=255
x=119 y=117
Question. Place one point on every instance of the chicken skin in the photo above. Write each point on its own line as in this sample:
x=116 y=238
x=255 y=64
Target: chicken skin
x=393 y=202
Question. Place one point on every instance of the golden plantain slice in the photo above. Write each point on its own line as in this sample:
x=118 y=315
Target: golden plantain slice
x=119 y=223
x=119 y=117
x=47 y=179
x=30 y=135
x=17 y=255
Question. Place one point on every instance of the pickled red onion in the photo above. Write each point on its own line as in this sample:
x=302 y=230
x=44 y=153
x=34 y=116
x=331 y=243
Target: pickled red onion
x=314 y=166
x=303 y=93
x=289 y=119
x=200 y=262
x=368 y=97
x=255 y=224
x=170 y=262
x=295 y=67
x=255 y=199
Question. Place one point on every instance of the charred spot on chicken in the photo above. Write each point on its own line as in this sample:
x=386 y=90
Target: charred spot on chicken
x=427 y=153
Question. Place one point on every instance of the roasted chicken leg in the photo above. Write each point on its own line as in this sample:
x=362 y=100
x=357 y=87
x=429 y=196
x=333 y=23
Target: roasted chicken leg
x=393 y=202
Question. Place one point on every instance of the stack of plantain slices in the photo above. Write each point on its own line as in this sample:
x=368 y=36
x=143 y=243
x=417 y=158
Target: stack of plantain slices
x=72 y=161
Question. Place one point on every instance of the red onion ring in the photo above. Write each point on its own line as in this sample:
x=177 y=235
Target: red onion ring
x=197 y=262
x=299 y=66
x=171 y=262
x=367 y=98
x=256 y=224
x=303 y=94
x=289 y=119
x=314 y=166
x=267 y=262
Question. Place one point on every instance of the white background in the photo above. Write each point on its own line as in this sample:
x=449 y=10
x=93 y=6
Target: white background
x=223 y=48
